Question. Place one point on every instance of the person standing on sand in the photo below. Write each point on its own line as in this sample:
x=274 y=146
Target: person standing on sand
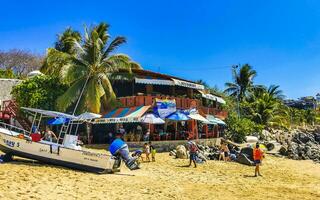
x=257 y=157
x=193 y=149
x=224 y=152
x=147 y=151
x=153 y=152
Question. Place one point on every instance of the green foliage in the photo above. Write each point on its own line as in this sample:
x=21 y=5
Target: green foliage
x=262 y=106
x=39 y=92
x=88 y=63
x=238 y=128
x=7 y=73
x=242 y=81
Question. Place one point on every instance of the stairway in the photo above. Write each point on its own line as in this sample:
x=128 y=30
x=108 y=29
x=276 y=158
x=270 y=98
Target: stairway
x=11 y=108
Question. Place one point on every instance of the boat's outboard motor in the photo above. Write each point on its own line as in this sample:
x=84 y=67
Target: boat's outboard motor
x=120 y=150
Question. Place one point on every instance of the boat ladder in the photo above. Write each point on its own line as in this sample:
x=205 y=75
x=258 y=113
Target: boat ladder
x=63 y=131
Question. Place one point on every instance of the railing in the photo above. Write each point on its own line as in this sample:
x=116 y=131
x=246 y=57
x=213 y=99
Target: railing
x=181 y=103
x=10 y=109
x=14 y=128
x=222 y=114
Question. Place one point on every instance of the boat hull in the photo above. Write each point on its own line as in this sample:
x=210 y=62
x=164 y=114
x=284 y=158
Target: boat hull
x=55 y=154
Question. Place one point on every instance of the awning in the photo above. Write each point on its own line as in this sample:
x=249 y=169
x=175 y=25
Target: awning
x=50 y=113
x=123 y=115
x=199 y=118
x=88 y=116
x=153 y=81
x=188 y=84
x=221 y=100
x=215 y=120
x=212 y=97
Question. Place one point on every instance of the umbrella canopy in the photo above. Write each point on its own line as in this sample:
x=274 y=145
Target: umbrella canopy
x=215 y=120
x=199 y=118
x=151 y=118
x=178 y=116
x=88 y=116
x=57 y=121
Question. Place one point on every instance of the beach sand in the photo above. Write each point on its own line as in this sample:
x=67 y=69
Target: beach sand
x=165 y=179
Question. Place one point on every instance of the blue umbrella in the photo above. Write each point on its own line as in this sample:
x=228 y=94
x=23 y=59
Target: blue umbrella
x=178 y=116
x=57 y=121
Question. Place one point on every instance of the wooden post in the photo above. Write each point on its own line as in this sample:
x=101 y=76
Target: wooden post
x=149 y=89
x=196 y=129
x=206 y=131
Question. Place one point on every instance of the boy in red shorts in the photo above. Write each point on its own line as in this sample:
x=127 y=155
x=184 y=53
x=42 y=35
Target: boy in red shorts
x=257 y=157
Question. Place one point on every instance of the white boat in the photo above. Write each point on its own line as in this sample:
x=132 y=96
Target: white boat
x=65 y=152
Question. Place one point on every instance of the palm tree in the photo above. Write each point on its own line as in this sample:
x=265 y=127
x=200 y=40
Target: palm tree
x=89 y=70
x=65 y=42
x=275 y=92
x=242 y=81
x=264 y=106
x=204 y=83
x=57 y=57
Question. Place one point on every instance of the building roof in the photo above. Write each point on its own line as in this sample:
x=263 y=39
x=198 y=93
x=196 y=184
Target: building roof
x=151 y=74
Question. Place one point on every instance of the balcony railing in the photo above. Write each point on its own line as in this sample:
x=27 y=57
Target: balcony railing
x=181 y=103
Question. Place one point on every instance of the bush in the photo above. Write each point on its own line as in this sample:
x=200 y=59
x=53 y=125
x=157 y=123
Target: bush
x=39 y=92
x=239 y=128
x=6 y=73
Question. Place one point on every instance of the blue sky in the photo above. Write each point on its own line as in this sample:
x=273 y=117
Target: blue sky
x=191 y=39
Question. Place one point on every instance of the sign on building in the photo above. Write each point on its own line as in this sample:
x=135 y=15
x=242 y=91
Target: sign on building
x=165 y=107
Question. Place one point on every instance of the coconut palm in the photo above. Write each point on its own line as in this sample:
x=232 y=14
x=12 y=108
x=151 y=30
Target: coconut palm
x=57 y=57
x=275 y=92
x=259 y=90
x=264 y=106
x=65 y=42
x=89 y=70
x=242 y=81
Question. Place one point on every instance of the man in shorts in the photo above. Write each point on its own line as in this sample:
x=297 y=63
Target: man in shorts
x=257 y=157
x=193 y=149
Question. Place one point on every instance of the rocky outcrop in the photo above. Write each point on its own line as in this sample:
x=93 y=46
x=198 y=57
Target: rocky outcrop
x=302 y=144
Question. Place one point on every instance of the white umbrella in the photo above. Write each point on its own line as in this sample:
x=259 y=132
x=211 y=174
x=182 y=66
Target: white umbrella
x=151 y=118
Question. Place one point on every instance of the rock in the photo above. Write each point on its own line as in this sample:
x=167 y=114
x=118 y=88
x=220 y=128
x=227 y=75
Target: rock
x=317 y=137
x=283 y=151
x=181 y=152
x=243 y=159
x=172 y=153
x=270 y=146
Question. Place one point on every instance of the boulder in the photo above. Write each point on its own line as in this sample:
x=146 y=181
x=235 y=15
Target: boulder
x=283 y=151
x=270 y=146
x=181 y=152
x=243 y=159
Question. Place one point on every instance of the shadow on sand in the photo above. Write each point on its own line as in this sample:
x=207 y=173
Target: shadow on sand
x=249 y=176
x=183 y=166
x=34 y=163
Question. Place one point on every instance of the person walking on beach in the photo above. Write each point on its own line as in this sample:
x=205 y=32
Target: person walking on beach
x=257 y=157
x=153 y=152
x=147 y=151
x=193 y=149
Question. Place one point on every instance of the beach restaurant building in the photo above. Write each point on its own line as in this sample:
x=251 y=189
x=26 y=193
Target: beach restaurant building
x=186 y=107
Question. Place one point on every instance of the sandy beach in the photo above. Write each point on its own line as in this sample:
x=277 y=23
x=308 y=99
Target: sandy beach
x=167 y=178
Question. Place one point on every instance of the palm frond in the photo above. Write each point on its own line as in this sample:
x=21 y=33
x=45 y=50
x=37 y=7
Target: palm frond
x=71 y=95
x=114 y=45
